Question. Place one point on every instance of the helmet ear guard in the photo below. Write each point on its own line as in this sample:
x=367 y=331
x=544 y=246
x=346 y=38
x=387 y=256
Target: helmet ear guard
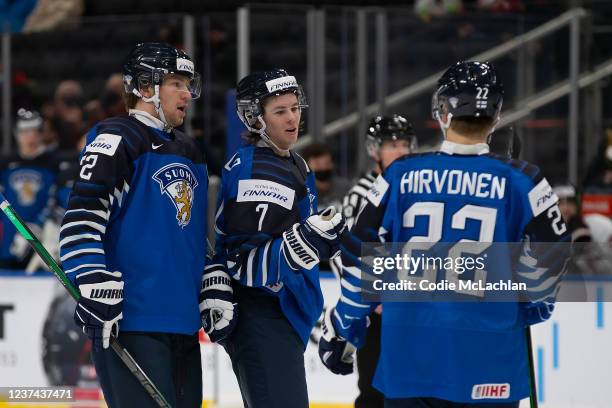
x=248 y=111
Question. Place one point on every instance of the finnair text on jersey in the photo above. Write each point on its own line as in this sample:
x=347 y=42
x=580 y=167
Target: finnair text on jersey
x=262 y=193
x=430 y=181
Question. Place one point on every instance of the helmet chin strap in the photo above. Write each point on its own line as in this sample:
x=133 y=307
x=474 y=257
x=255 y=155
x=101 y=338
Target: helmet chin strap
x=444 y=125
x=157 y=105
x=264 y=136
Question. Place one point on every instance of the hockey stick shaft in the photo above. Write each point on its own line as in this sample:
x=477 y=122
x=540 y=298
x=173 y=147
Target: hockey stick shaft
x=121 y=352
x=533 y=395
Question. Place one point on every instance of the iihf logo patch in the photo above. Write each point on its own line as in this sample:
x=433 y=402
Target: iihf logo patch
x=178 y=182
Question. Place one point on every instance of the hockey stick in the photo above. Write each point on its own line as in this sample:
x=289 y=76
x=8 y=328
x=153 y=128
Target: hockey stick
x=533 y=395
x=121 y=352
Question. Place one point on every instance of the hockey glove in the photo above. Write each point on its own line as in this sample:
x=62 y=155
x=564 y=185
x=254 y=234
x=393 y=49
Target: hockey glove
x=217 y=312
x=538 y=312
x=304 y=245
x=98 y=311
x=336 y=353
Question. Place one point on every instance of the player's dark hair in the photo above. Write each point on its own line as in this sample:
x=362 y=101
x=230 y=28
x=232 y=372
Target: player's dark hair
x=251 y=137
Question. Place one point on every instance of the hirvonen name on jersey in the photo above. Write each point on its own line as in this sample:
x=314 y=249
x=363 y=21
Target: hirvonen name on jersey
x=178 y=183
x=471 y=183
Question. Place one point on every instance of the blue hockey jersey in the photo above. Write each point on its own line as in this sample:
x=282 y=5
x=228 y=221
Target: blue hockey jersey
x=262 y=195
x=457 y=351
x=139 y=207
x=25 y=183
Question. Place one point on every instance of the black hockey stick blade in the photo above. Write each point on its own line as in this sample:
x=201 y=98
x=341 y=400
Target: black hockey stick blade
x=533 y=395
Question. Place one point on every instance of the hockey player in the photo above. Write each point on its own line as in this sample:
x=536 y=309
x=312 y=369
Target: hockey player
x=271 y=238
x=133 y=236
x=454 y=354
x=25 y=180
x=388 y=138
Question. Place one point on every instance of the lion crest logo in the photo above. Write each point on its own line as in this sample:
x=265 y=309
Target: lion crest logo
x=26 y=184
x=178 y=182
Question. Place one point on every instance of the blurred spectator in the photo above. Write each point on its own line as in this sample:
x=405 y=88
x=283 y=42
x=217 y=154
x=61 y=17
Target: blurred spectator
x=14 y=13
x=50 y=14
x=599 y=173
x=47 y=108
x=330 y=189
x=68 y=102
x=111 y=99
x=93 y=112
x=23 y=92
x=569 y=206
x=25 y=180
x=51 y=132
x=506 y=6
x=426 y=9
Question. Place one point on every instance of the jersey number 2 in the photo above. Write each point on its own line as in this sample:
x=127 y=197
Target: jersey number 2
x=88 y=163
x=435 y=212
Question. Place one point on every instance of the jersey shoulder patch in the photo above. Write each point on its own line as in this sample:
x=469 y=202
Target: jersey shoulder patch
x=104 y=143
x=541 y=197
x=378 y=190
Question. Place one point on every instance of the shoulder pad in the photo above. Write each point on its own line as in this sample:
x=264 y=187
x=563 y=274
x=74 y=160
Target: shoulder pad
x=530 y=170
x=127 y=129
x=301 y=163
x=193 y=143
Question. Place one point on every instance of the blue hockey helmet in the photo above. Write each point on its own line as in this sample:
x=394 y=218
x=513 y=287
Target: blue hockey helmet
x=148 y=63
x=254 y=88
x=468 y=89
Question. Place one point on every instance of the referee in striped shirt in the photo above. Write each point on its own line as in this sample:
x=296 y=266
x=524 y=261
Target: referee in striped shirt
x=388 y=138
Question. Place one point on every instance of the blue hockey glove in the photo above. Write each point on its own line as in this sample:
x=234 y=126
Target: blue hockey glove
x=98 y=311
x=538 y=312
x=304 y=245
x=219 y=315
x=336 y=353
